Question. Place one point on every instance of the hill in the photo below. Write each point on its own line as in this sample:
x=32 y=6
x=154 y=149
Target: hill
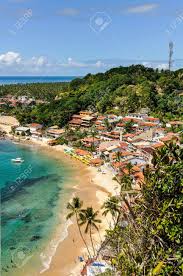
x=119 y=90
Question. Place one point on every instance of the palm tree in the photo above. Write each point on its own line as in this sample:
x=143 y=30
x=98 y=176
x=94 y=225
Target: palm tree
x=88 y=217
x=111 y=205
x=75 y=209
x=129 y=166
x=107 y=124
x=126 y=183
x=118 y=156
x=93 y=135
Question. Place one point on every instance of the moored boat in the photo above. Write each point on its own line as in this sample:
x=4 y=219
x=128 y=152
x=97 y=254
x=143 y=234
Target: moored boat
x=17 y=160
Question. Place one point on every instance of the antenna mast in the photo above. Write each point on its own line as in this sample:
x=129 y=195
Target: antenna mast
x=170 y=63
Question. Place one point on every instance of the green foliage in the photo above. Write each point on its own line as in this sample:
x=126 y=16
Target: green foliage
x=119 y=90
x=152 y=243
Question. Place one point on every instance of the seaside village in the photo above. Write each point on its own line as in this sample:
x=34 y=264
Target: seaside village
x=123 y=145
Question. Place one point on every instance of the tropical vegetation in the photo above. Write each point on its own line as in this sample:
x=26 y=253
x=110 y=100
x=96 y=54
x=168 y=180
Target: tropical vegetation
x=119 y=91
x=147 y=236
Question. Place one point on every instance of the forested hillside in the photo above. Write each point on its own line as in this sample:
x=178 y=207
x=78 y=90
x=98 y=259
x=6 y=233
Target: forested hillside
x=119 y=90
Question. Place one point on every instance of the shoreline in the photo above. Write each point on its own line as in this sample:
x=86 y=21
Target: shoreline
x=91 y=186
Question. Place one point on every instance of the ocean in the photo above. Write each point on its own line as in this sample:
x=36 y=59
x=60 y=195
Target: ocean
x=33 y=194
x=34 y=79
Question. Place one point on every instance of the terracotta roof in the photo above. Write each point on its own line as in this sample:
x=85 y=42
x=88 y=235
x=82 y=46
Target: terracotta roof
x=96 y=161
x=120 y=124
x=176 y=123
x=126 y=153
x=101 y=118
x=152 y=119
x=90 y=140
x=75 y=121
x=135 y=169
x=129 y=135
x=139 y=176
x=168 y=138
x=123 y=145
x=127 y=119
x=148 y=124
x=98 y=123
x=101 y=128
x=158 y=145
x=35 y=125
x=82 y=152
x=117 y=164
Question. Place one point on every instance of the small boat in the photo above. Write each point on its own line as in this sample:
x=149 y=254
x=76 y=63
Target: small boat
x=17 y=160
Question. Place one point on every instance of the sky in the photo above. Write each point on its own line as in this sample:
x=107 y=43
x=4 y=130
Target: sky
x=76 y=37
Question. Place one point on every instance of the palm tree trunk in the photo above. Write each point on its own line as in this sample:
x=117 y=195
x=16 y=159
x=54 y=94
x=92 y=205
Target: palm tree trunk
x=92 y=241
x=129 y=208
x=82 y=237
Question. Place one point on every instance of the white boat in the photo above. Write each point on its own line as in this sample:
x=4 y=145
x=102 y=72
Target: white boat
x=17 y=160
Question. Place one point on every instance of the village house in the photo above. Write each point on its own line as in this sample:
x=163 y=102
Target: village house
x=87 y=121
x=75 y=121
x=55 y=131
x=89 y=141
x=112 y=135
x=83 y=120
x=153 y=120
x=85 y=113
x=22 y=130
x=158 y=133
x=96 y=162
x=174 y=123
x=137 y=115
x=35 y=130
x=144 y=126
x=101 y=129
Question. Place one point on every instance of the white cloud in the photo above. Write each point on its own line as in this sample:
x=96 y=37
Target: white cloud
x=157 y=65
x=142 y=8
x=39 y=61
x=163 y=66
x=13 y=63
x=10 y=58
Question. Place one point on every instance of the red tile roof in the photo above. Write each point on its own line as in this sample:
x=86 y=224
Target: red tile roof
x=35 y=125
x=168 y=138
x=82 y=152
x=158 y=145
x=101 y=128
x=148 y=124
x=120 y=124
x=131 y=135
x=123 y=145
x=90 y=139
x=96 y=161
x=176 y=122
x=75 y=122
x=152 y=119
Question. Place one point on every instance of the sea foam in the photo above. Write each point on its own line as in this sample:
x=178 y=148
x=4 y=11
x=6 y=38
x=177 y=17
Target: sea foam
x=46 y=257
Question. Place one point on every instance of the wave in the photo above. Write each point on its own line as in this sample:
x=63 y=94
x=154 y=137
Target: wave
x=47 y=256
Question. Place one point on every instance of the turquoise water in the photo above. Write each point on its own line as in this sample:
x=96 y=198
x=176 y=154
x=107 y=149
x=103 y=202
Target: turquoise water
x=31 y=196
